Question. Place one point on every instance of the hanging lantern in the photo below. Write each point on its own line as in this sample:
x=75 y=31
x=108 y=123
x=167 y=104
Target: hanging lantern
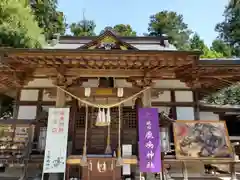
x=87 y=92
x=120 y=92
x=103 y=119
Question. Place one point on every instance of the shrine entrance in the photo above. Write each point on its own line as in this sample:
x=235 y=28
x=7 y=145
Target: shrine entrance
x=96 y=136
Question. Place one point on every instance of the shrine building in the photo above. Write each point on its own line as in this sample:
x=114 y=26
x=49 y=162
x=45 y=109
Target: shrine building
x=108 y=69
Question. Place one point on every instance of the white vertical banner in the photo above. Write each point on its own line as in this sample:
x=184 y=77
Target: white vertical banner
x=56 y=141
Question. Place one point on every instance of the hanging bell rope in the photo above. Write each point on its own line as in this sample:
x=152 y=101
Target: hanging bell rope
x=119 y=161
x=84 y=158
x=108 y=147
x=103 y=105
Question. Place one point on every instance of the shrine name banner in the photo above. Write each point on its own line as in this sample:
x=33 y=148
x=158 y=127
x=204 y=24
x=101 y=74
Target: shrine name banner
x=56 y=141
x=149 y=140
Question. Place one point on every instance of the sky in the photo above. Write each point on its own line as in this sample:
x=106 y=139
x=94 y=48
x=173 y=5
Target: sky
x=200 y=15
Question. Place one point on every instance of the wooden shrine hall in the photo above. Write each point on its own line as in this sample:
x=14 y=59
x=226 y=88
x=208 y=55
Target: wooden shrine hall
x=108 y=69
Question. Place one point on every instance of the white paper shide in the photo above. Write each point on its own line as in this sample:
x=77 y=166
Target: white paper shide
x=56 y=141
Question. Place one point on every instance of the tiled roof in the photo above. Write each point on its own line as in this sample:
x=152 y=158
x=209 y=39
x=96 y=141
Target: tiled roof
x=141 y=43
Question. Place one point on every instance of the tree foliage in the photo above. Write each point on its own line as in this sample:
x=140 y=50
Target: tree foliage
x=221 y=47
x=229 y=29
x=171 y=24
x=48 y=18
x=209 y=53
x=121 y=30
x=229 y=95
x=18 y=29
x=83 y=28
x=196 y=43
x=229 y=45
x=124 y=30
x=17 y=25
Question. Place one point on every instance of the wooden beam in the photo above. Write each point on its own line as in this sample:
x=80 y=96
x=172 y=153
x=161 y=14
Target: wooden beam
x=227 y=75
x=78 y=72
x=79 y=92
x=171 y=104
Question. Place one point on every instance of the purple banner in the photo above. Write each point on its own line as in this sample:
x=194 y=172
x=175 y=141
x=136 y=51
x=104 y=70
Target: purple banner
x=149 y=140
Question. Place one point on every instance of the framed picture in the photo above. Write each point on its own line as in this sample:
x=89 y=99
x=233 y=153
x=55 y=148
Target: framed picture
x=201 y=140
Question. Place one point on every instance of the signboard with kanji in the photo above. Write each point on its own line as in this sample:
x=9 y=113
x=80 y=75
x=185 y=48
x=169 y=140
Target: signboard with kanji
x=56 y=141
x=149 y=140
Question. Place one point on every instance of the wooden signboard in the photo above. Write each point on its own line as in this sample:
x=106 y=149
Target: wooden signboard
x=103 y=91
x=201 y=140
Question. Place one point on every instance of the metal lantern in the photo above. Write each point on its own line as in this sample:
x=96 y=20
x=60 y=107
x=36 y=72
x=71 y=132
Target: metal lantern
x=165 y=141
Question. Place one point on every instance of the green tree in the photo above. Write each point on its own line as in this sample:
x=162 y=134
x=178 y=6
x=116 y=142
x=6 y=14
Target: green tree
x=18 y=29
x=17 y=25
x=107 y=28
x=229 y=29
x=121 y=30
x=229 y=34
x=83 y=28
x=208 y=53
x=171 y=24
x=124 y=30
x=196 y=43
x=48 y=18
x=220 y=46
x=229 y=95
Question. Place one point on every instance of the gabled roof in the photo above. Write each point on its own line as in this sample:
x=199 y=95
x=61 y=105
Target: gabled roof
x=110 y=39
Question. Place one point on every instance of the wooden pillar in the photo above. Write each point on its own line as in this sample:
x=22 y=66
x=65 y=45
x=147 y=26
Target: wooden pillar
x=60 y=103
x=138 y=104
x=196 y=106
x=72 y=128
x=60 y=98
x=146 y=99
x=16 y=103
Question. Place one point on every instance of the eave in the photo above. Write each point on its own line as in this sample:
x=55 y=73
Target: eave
x=99 y=61
x=204 y=75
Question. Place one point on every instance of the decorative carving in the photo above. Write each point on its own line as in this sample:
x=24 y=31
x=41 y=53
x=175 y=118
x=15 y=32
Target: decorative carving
x=144 y=82
x=60 y=79
x=52 y=93
x=22 y=78
x=102 y=167
x=156 y=93
x=194 y=84
x=76 y=81
x=108 y=40
x=107 y=43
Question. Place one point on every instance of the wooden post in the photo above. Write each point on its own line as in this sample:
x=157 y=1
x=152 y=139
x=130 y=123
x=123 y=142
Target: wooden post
x=196 y=107
x=15 y=105
x=233 y=171
x=138 y=104
x=147 y=102
x=60 y=98
x=185 y=171
x=72 y=127
x=147 y=96
x=60 y=103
